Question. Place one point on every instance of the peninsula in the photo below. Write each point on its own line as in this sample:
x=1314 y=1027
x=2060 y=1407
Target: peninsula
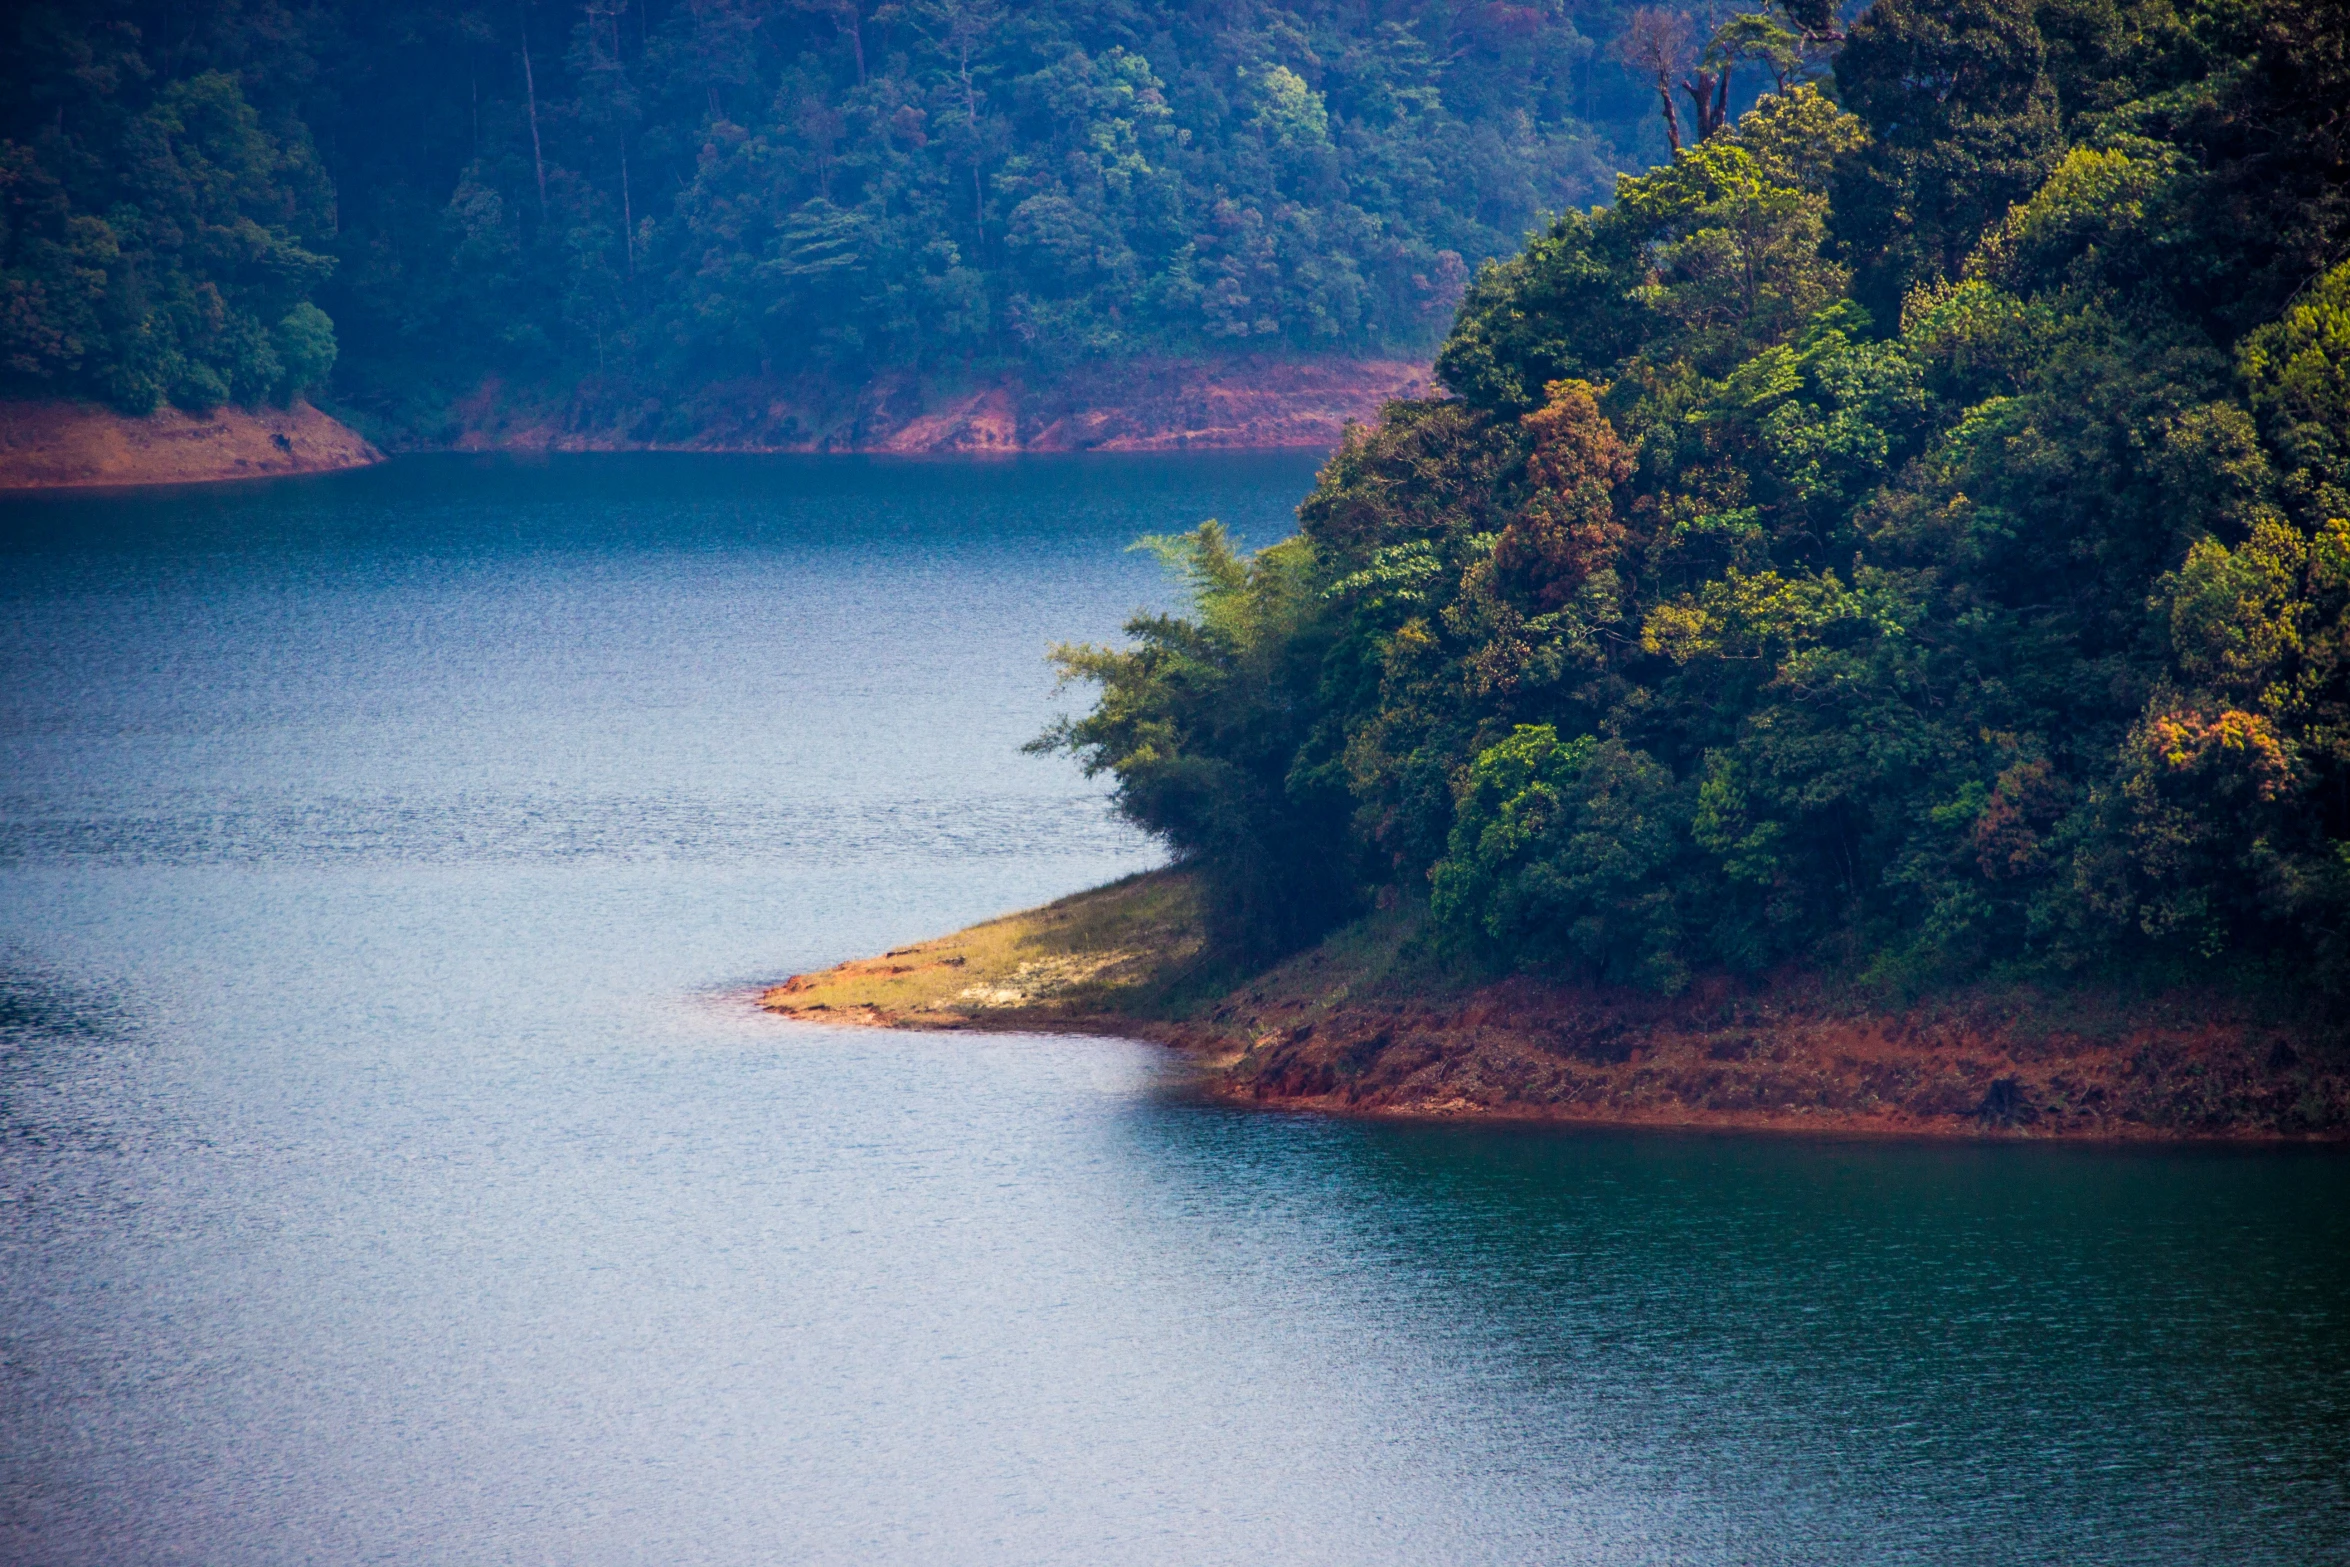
x=1864 y=643
x=1371 y=1022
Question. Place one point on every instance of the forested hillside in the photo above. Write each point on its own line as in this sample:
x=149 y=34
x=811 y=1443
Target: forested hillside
x=206 y=202
x=1904 y=536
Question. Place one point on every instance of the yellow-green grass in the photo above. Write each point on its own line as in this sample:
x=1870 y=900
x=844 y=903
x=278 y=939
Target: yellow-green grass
x=1112 y=952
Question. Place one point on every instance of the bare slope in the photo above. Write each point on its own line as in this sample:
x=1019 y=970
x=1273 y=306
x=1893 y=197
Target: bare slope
x=61 y=445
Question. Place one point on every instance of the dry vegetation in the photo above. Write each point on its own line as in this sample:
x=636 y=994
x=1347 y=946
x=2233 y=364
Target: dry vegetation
x=1107 y=956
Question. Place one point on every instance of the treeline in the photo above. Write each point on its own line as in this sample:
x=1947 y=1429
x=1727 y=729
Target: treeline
x=672 y=192
x=1905 y=535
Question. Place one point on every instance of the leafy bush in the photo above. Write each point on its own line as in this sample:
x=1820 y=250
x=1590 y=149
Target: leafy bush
x=1205 y=723
x=1562 y=858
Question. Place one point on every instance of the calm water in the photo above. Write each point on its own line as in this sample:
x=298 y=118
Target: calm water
x=395 y=1171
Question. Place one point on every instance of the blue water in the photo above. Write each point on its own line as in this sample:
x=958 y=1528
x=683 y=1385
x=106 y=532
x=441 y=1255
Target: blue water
x=395 y=1169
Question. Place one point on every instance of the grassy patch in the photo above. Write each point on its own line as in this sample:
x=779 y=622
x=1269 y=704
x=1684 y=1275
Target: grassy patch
x=1130 y=949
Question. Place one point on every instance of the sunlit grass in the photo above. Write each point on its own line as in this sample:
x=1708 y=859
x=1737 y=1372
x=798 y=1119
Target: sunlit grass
x=1110 y=951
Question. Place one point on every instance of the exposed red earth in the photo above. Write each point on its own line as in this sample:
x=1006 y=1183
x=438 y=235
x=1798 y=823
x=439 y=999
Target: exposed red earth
x=66 y=445
x=1361 y=1025
x=1238 y=404
x=1526 y=1051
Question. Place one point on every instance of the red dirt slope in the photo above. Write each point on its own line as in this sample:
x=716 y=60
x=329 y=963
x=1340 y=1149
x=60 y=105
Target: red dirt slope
x=1527 y=1051
x=61 y=445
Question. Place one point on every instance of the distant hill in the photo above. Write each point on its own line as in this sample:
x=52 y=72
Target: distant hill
x=390 y=205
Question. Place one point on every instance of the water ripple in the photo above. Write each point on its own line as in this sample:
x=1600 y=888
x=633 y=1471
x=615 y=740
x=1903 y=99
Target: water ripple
x=193 y=827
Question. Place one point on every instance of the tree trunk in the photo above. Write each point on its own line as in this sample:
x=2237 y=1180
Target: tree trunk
x=971 y=115
x=530 y=90
x=620 y=134
x=1709 y=95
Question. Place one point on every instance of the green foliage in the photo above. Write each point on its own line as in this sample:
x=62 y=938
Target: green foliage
x=158 y=242
x=1561 y=856
x=2297 y=374
x=305 y=347
x=1202 y=725
x=633 y=198
x=1565 y=308
x=1866 y=543
x=1963 y=119
x=1715 y=253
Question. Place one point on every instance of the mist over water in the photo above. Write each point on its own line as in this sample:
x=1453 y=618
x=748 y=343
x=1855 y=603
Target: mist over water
x=395 y=1169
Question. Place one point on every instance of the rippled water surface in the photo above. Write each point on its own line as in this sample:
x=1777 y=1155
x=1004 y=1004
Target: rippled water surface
x=395 y=1172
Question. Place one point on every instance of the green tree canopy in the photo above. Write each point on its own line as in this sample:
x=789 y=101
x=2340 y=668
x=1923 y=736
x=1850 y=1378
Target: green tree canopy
x=1901 y=534
x=631 y=199
x=155 y=240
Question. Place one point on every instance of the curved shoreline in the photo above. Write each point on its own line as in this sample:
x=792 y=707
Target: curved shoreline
x=1233 y=405
x=46 y=446
x=1361 y=1026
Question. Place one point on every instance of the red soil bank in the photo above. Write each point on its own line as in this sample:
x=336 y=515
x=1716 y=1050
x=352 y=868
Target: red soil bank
x=63 y=445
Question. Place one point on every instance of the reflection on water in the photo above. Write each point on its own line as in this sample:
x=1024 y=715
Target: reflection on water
x=395 y=1172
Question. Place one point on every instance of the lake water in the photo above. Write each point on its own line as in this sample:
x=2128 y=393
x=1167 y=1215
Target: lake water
x=396 y=1171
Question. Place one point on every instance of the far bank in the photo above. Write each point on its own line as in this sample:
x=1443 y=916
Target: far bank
x=1370 y=1023
x=1228 y=403
x=1231 y=404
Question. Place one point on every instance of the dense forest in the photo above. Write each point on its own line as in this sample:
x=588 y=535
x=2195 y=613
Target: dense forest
x=236 y=200
x=1903 y=537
